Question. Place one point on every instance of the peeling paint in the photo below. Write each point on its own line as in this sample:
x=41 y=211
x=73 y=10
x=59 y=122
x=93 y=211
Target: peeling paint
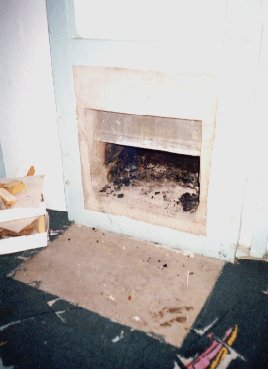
x=3 y=327
x=52 y=302
x=58 y=313
x=118 y=338
x=20 y=257
x=203 y=331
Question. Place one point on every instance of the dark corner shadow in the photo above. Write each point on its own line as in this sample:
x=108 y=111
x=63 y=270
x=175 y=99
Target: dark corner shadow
x=58 y=223
x=232 y=327
x=38 y=330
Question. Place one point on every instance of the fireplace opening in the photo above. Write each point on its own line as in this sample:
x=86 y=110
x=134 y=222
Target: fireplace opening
x=164 y=182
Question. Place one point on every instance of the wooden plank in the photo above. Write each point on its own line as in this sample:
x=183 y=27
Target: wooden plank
x=41 y=224
x=12 y=244
x=159 y=133
x=9 y=215
x=58 y=16
x=21 y=243
x=7 y=198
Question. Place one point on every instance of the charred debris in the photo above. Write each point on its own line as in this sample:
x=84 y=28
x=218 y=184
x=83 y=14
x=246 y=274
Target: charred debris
x=132 y=166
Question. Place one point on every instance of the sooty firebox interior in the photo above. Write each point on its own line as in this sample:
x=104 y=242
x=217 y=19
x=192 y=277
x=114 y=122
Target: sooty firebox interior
x=163 y=181
x=148 y=169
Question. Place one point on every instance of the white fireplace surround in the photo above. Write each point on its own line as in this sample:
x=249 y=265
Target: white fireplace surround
x=192 y=97
x=227 y=87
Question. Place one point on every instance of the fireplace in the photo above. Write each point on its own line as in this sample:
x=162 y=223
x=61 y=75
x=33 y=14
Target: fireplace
x=145 y=145
x=203 y=88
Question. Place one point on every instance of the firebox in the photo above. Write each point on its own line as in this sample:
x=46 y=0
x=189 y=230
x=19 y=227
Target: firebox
x=145 y=145
x=159 y=183
x=174 y=177
x=137 y=168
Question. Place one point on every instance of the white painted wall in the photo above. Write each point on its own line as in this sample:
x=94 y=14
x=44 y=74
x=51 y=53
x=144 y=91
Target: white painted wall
x=28 y=124
x=168 y=35
x=182 y=21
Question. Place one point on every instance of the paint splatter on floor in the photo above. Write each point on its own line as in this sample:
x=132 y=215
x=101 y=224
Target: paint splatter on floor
x=118 y=338
x=218 y=355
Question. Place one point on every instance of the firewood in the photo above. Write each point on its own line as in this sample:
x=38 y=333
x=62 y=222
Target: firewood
x=41 y=224
x=31 y=171
x=7 y=198
x=13 y=187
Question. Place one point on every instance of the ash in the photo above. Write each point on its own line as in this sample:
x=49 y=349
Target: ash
x=172 y=177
